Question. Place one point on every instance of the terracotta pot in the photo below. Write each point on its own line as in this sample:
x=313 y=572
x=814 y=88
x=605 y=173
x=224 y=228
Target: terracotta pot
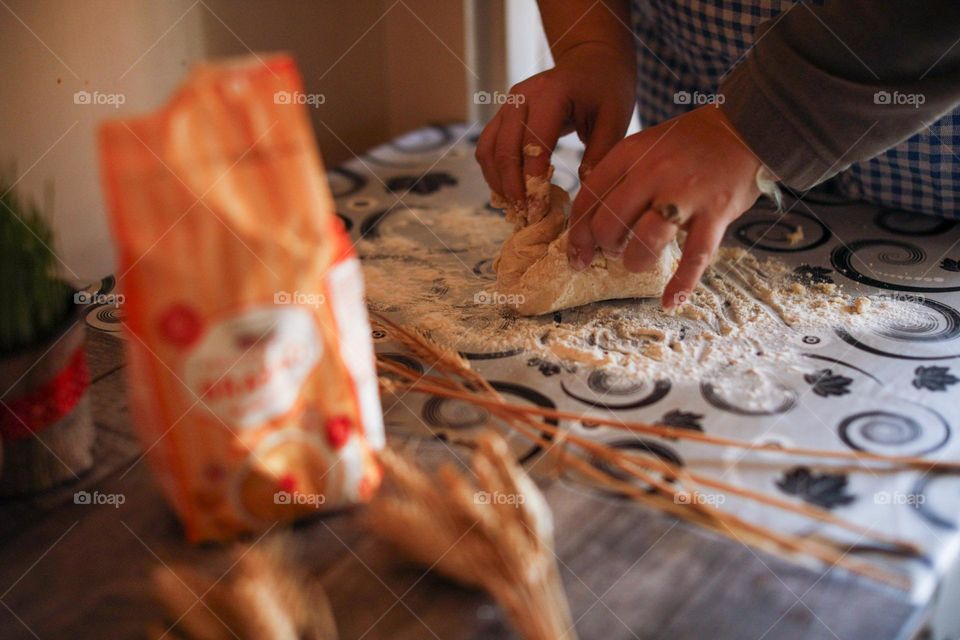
x=45 y=421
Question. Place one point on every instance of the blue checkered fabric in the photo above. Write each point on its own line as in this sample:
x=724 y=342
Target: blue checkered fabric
x=684 y=48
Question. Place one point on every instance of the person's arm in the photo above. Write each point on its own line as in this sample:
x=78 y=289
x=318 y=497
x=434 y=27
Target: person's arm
x=589 y=90
x=827 y=86
x=573 y=23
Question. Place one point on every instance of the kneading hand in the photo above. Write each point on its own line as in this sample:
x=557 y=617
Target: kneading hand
x=696 y=164
x=590 y=91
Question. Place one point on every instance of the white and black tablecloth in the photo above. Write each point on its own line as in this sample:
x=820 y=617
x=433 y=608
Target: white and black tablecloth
x=895 y=389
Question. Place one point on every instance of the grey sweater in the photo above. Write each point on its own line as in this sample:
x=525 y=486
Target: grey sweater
x=827 y=86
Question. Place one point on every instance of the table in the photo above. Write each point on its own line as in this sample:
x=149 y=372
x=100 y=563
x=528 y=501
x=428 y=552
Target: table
x=80 y=571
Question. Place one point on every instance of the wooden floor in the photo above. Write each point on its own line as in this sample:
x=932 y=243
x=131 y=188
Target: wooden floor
x=80 y=571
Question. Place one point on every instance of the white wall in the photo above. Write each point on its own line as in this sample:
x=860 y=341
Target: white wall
x=527 y=49
x=376 y=62
x=50 y=50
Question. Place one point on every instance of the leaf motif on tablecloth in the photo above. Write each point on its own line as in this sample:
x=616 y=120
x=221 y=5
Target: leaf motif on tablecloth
x=949 y=264
x=808 y=275
x=827 y=490
x=826 y=383
x=546 y=368
x=421 y=185
x=934 y=378
x=682 y=420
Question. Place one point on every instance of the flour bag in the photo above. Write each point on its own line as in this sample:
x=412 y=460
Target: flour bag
x=251 y=368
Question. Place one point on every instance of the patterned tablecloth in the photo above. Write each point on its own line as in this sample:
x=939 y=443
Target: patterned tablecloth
x=892 y=390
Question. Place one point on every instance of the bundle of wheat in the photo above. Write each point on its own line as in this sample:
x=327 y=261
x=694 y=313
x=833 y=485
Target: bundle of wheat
x=260 y=594
x=496 y=534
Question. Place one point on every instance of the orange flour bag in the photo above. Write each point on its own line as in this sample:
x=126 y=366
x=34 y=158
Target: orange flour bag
x=251 y=374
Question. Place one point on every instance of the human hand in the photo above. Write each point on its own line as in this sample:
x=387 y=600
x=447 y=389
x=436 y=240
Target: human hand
x=696 y=162
x=590 y=91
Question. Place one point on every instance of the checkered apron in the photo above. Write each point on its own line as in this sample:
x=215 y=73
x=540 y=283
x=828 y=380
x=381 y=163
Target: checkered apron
x=685 y=47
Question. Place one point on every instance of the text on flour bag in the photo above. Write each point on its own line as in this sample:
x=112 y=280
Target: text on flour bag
x=252 y=379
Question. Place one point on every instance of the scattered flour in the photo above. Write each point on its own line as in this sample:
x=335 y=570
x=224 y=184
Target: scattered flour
x=432 y=270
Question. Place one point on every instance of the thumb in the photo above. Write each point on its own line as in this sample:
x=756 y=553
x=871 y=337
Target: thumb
x=607 y=131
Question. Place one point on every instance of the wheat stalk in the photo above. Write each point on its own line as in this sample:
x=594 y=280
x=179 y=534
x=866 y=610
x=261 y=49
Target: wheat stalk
x=622 y=460
x=262 y=594
x=502 y=543
x=913 y=462
x=521 y=418
x=423 y=347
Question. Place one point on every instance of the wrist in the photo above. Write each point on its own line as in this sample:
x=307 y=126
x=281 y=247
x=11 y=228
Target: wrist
x=598 y=51
x=750 y=164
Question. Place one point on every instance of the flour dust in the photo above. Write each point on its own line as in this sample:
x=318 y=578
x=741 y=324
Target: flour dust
x=432 y=269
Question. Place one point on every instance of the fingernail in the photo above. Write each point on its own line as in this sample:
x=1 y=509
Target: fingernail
x=614 y=254
x=576 y=259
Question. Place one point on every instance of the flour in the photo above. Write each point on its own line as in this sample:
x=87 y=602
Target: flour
x=745 y=320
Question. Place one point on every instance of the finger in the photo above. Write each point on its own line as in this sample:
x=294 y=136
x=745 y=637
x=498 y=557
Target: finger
x=543 y=128
x=649 y=236
x=703 y=239
x=580 y=248
x=619 y=211
x=607 y=131
x=544 y=124
x=486 y=144
x=508 y=155
x=581 y=245
x=625 y=157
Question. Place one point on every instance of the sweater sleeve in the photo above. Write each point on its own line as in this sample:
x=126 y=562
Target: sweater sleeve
x=826 y=86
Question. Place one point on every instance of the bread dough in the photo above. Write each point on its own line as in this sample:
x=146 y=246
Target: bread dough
x=534 y=276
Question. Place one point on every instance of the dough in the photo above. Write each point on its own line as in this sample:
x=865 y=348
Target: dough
x=534 y=277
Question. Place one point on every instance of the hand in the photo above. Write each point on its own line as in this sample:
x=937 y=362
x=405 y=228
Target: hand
x=697 y=162
x=590 y=91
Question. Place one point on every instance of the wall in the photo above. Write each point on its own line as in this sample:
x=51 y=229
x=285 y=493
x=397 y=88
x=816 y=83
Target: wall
x=384 y=67
x=376 y=61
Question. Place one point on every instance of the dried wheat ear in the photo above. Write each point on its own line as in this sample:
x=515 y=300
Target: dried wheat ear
x=260 y=596
x=494 y=532
x=675 y=490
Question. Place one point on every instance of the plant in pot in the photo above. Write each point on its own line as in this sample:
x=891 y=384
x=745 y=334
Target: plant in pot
x=46 y=429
